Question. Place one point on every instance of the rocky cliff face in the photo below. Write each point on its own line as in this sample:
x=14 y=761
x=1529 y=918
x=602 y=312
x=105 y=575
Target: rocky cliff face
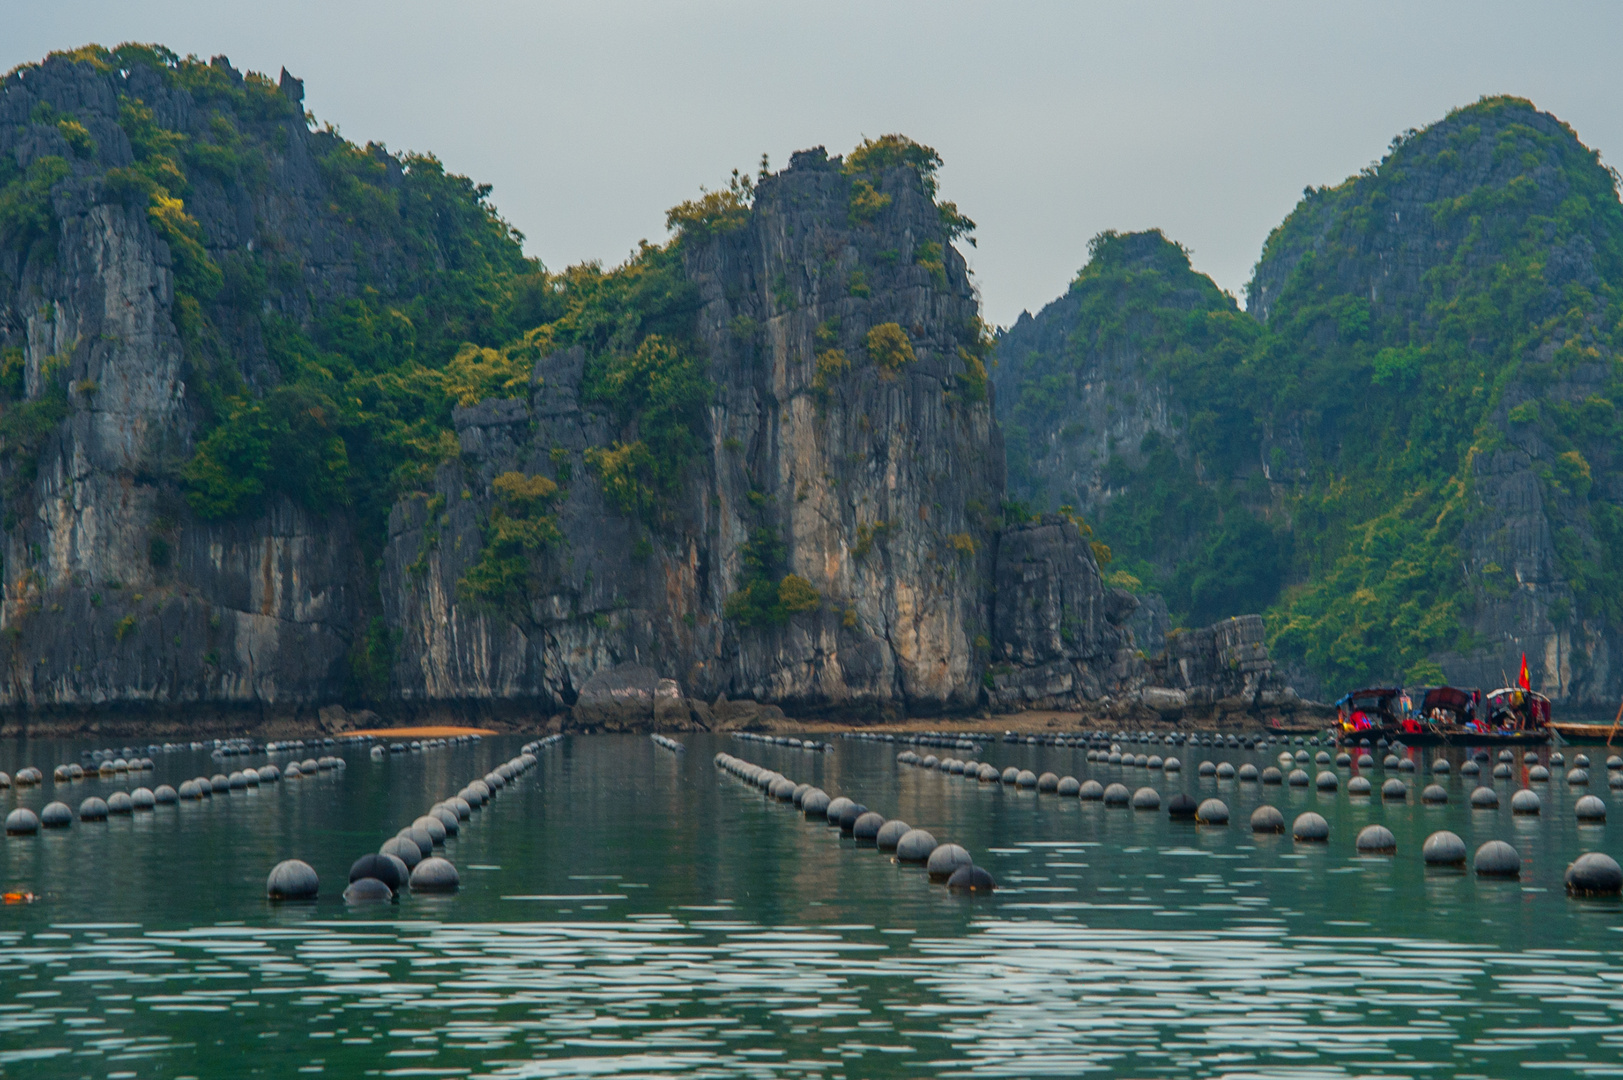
x=113 y=593
x=286 y=422
x=879 y=481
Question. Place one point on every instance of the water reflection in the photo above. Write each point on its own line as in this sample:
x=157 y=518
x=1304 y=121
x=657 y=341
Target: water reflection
x=629 y=912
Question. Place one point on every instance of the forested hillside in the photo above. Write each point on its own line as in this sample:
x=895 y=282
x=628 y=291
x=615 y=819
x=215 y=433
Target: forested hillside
x=1406 y=452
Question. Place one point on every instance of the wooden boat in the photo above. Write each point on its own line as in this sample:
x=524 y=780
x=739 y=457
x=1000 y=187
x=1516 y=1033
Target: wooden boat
x=1603 y=734
x=1447 y=716
x=1592 y=734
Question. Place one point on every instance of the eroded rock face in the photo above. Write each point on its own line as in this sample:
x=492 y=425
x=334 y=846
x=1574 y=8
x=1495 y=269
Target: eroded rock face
x=883 y=483
x=1060 y=639
x=881 y=486
x=114 y=595
x=1063 y=640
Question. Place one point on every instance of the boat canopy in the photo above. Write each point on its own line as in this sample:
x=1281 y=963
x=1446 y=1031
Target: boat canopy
x=1370 y=699
x=1513 y=699
x=1462 y=703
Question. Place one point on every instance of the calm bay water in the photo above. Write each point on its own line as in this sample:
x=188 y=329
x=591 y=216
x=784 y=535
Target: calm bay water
x=629 y=912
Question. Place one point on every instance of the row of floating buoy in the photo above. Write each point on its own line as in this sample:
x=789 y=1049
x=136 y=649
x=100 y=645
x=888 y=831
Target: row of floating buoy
x=790 y=741
x=1115 y=755
x=407 y=859
x=58 y=815
x=1309 y=827
x=381 y=749
x=943 y=862
x=945 y=740
x=1099 y=739
x=668 y=744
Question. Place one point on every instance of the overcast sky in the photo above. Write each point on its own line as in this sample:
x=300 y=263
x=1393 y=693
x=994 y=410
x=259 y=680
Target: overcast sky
x=1056 y=120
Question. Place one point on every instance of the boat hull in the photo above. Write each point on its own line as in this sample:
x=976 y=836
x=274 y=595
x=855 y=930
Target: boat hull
x=1592 y=734
x=1452 y=738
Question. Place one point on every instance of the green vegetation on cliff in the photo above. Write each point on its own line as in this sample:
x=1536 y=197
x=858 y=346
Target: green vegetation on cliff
x=1458 y=300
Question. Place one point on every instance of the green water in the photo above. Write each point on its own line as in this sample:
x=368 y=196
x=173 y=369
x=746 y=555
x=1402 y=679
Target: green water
x=630 y=912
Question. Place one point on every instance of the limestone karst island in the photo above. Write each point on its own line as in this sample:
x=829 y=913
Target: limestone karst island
x=422 y=660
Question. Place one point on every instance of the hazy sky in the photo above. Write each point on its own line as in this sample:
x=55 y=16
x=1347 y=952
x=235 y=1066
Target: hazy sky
x=1056 y=120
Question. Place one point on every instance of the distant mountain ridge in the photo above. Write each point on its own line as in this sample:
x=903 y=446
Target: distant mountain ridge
x=1407 y=452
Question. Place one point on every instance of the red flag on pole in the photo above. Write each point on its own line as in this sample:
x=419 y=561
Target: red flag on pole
x=1523 y=681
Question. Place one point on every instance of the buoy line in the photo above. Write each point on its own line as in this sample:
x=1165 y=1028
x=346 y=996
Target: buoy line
x=943 y=862
x=1495 y=858
x=790 y=741
x=408 y=859
x=669 y=744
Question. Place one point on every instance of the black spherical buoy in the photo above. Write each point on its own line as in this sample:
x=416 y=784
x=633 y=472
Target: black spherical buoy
x=1090 y=791
x=1590 y=808
x=164 y=795
x=1525 y=801
x=1434 y=793
x=914 y=846
x=946 y=859
x=815 y=803
x=835 y=808
x=1068 y=786
x=22 y=822
x=405 y=850
x=1594 y=874
x=1248 y=773
x=1498 y=859
x=434 y=875
x=1394 y=789
x=1272 y=775
x=1212 y=812
x=1267 y=819
x=1376 y=840
x=1225 y=770
x=1117 y=795
x=1146 y=798
x=292 y=879
x=1181 y=807
x=143 y=799
x=1025 y=778
x=368 y=890
x=93 y=809
x=387 y=869
x=56 y=815
x=1310 y=828
x=889 y=833
x=1358 y=785
x=971 y=879
x=1443 y=848
x=433 y=826
x=416 y=835
x=865 y=829
x=1485 y=798
x=848 y=817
